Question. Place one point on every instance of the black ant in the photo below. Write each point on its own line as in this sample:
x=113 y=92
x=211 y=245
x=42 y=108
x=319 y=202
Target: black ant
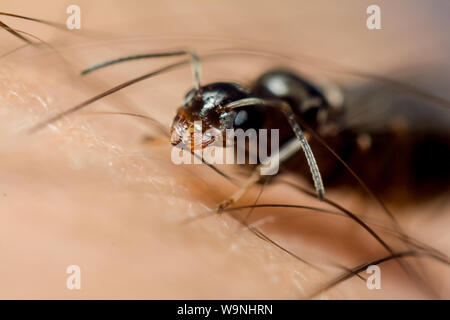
x=412 y=157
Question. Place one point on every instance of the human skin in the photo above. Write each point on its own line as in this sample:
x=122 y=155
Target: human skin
x=88 y=191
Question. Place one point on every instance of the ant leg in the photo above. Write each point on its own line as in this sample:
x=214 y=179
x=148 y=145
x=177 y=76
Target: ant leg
x=253 y=179
x=290 y=116
x=195 y=62
x=288 y=150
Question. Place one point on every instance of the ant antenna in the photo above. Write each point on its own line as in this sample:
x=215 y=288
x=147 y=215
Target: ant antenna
x=195 y=62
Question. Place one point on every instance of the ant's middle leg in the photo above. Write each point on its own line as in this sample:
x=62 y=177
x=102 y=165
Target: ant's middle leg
x=288 y=150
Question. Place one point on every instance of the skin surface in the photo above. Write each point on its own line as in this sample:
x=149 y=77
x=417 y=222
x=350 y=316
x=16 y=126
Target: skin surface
x=88 y=191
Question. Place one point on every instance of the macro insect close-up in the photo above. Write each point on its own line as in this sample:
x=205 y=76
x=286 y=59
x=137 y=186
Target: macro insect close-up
x=214 y=150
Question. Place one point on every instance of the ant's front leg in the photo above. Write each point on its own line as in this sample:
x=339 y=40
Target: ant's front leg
x=252 y=180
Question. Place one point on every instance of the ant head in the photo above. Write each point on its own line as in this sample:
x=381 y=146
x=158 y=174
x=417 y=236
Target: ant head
x=203 y=114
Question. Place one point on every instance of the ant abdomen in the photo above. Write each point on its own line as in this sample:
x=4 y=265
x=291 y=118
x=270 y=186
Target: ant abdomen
x=399 y=147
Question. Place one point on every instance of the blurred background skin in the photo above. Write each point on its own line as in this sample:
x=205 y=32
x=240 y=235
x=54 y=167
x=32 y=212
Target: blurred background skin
x=90 y=193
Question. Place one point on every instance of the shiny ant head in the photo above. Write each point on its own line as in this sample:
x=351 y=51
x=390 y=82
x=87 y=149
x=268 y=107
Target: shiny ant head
x=206 y=105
